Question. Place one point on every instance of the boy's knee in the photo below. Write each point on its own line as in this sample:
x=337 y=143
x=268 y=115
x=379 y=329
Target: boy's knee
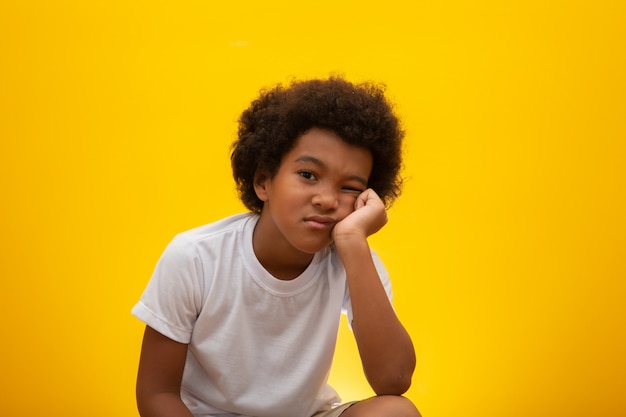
x=401 y=407
x=383 y=406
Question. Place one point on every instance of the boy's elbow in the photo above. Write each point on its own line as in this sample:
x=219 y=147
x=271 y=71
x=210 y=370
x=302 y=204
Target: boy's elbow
x=392 y=385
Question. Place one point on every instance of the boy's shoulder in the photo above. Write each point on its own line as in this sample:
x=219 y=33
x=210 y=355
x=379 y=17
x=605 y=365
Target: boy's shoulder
x=230 y=224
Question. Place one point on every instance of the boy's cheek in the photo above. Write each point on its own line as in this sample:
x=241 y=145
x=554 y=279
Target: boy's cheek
x=349 y=211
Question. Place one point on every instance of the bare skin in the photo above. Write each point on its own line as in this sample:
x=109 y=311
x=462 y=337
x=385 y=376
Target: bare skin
x=384 y=345
x=159 y=377
x=383 y=405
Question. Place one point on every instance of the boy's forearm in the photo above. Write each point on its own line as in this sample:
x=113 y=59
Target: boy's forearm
x=384 y=345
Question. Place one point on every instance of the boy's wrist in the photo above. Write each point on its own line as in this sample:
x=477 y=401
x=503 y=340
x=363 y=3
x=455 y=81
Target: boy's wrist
x=350 y=241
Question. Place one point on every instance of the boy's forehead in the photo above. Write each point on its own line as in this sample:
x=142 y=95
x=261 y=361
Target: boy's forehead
x=327 y=149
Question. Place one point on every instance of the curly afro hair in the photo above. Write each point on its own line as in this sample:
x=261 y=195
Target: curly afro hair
x=358 y=113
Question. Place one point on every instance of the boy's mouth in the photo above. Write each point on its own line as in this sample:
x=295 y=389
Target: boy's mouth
x=320 y=222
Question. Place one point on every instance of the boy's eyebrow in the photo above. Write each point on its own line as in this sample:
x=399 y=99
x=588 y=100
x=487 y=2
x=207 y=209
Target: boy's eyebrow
x=321 y=164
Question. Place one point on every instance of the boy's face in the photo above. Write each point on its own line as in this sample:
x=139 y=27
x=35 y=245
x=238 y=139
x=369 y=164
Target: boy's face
x=315 y=187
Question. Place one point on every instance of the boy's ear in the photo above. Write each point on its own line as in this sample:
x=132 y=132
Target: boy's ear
x=261 y=181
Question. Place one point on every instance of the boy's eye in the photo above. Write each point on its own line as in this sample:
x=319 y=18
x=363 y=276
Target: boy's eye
x=307 y=175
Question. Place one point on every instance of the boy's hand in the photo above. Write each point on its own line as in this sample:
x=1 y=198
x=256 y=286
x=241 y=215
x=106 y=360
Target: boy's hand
x=368 y=217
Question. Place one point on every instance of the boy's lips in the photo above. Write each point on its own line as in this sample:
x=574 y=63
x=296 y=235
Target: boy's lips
x=320 y=222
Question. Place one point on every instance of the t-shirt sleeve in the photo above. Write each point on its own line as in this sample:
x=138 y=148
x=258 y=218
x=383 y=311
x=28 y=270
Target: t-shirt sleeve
x=172 y=300
x=384 y=279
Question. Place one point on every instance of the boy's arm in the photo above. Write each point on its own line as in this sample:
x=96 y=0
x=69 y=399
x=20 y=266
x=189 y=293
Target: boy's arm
x=384 y=345
x=159 y=377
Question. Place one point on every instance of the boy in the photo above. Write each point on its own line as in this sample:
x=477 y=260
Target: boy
x=242 y=314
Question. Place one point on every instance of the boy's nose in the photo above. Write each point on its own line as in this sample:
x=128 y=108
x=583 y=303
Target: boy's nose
x=326 y=199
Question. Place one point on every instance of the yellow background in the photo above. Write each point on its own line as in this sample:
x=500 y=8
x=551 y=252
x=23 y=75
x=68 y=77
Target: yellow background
x=507 y=248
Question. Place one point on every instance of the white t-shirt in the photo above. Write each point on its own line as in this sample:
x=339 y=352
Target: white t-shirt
x=258 y=346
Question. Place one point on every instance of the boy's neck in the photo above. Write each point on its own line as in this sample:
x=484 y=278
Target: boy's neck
x=280 y=259
x=283 y=272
